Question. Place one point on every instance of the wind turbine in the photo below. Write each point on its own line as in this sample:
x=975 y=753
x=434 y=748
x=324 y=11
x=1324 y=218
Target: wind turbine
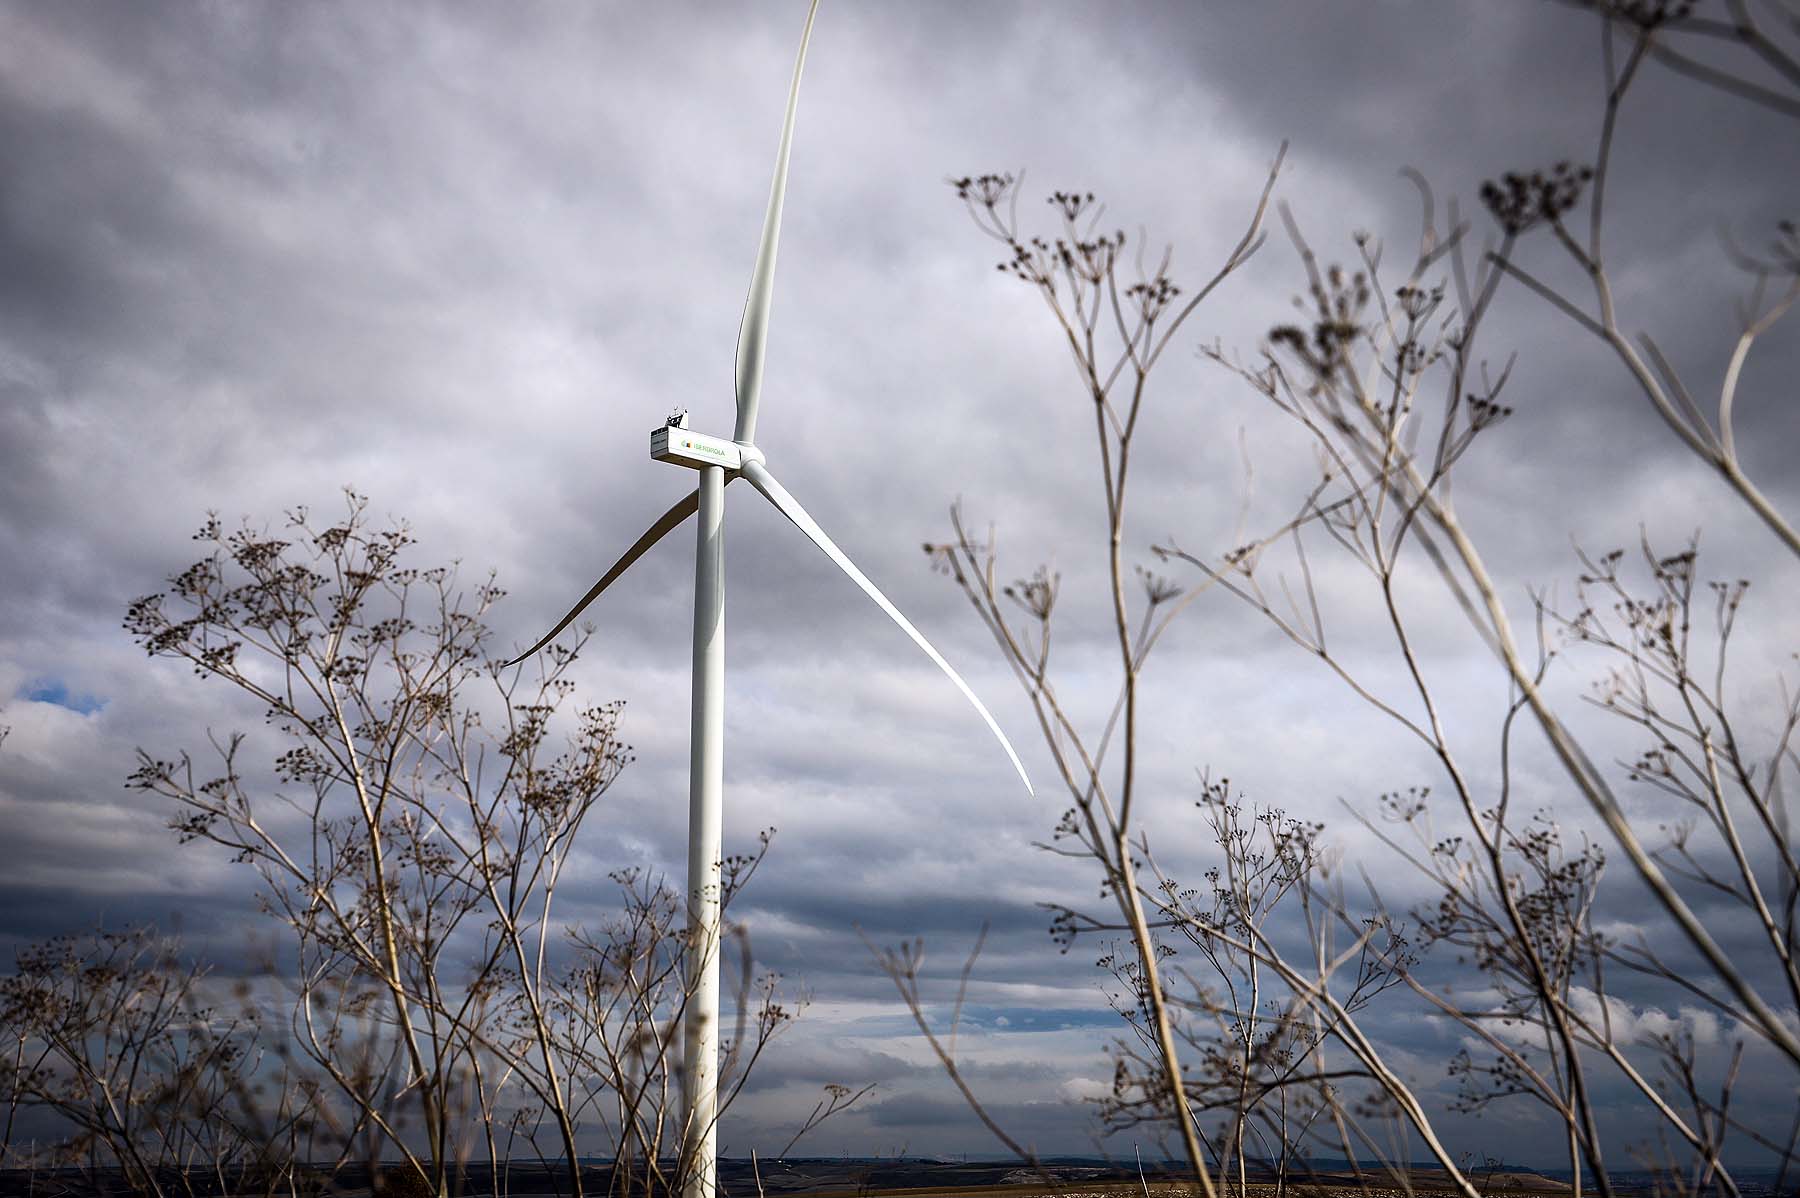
x=719 y=461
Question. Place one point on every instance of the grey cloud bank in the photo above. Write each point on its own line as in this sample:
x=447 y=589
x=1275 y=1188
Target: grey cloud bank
x=464 y=259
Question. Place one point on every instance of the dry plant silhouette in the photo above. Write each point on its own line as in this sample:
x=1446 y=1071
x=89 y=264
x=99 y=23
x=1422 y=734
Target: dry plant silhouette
x=426 y=1002
x=1387 y=379
x=111 y=1032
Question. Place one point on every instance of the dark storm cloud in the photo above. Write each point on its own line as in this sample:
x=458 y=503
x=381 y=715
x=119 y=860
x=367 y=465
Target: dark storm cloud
x=918 y=1112
x=465 y=258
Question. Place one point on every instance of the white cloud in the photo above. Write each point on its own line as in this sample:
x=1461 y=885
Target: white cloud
x=1080 y=1089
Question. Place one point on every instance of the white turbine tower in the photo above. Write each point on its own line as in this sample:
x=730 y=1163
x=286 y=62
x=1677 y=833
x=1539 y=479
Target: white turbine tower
x=719 y=461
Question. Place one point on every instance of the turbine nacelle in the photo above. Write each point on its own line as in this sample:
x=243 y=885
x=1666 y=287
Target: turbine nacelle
x=681 y=446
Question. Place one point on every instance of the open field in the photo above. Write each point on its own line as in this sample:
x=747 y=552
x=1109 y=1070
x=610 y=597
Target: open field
x=921 y=1179
x=819 y=1178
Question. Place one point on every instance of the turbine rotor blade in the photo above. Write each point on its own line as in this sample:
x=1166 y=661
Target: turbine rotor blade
x=670 y=520
x=753 y=332
x=763 y=481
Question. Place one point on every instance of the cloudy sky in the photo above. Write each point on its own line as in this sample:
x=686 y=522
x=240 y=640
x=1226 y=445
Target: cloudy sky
x=465 y=258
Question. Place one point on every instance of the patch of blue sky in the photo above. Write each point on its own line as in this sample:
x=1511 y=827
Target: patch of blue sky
x=56 y=691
